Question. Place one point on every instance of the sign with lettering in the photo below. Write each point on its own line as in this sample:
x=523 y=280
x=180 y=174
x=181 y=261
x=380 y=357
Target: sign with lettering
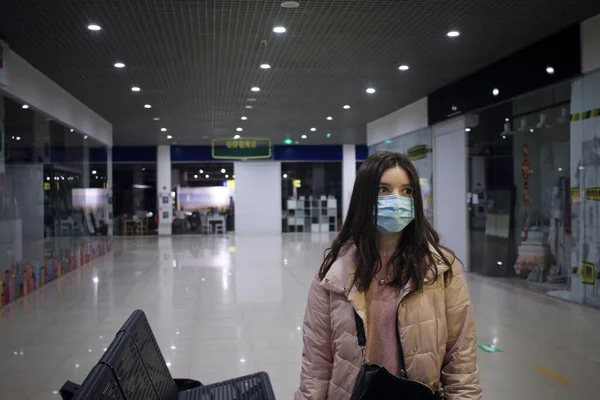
x=241 y=149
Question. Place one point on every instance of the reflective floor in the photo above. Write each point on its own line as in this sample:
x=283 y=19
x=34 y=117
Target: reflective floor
x=227 y=306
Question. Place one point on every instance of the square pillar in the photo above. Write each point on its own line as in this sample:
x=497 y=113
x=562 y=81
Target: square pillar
x=163 y=188
x=348 y=176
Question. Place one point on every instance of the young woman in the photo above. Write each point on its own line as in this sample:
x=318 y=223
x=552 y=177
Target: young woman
x=387 y=264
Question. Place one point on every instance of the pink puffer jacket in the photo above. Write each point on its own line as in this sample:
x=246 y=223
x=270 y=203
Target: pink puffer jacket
x=437 y=332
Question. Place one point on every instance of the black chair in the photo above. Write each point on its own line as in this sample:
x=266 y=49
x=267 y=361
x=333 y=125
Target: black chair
x=133 y=368
x=100 y=384
x=138 y=328
x=123 y=359
x=251 y=387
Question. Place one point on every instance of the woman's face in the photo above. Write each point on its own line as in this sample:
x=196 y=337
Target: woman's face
x=395 y=181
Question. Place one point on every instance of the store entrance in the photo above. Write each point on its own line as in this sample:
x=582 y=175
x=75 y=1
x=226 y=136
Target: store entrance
x=203 y=195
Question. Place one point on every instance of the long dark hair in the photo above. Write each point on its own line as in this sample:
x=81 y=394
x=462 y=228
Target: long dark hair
x=413 y=259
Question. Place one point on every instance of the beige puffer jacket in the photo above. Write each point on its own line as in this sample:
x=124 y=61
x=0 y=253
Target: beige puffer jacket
x=437 y=334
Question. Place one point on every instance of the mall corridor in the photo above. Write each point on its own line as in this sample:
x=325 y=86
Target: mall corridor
x=226 y=306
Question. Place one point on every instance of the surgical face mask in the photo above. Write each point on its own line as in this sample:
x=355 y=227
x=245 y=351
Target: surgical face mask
x=394 y=213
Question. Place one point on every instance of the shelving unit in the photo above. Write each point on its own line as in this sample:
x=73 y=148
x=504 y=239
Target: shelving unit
x=310 y=215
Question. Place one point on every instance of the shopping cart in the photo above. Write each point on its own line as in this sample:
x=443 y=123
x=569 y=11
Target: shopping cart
x=133 y=368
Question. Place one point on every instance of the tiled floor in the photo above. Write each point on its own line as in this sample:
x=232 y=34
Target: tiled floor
x=222 y=307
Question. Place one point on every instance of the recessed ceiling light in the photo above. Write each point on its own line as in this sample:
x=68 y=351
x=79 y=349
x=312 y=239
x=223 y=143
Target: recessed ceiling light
x=304 y=136
x=237 y=137
x=279 y=29
x=290 y=4
x=226 y=176
x=135 y=89
x=147 y=106
x=207 y=176
x=169 y=137
x=201 y=171
x=94 y=172
x=85 y=137
x=285 y=176
x=495 y=92
x=467 y=129
x=119 y=65
x=239 y=129
x=255 y=89
x=346 y=107
x=223 y=170
x=156 y=119
x=329 y=118
x=195 y=176
x=244 y=118
x=25 y=106
x=531 y=130
x=453 y=34
x=550 y=70
x=72 y=130
x=507 y=119
x=313 y=129
x=248 y=106
x=94 y=27
x=371 y=90
x=163 y=129
x=265 y=66
x=403 y=68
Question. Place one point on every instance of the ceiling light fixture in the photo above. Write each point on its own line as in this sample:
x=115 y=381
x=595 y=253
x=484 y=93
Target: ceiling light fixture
x=304 y=136
x=195 y=176
x=495 y=92
x=72 y=130
x=201 y=171
x=169 y=137
x=85 y=137
x=371 y=90
x=163 y=129
x=403 y=68
x=285 y=176
x=288 y=141
x=244 y=118
x=550 y=70
x=290 y=4
x=453 y=34
x=248 y=106
x=147 y=106
x=25 y=106
x=239 y=129
x=467 y=129
x=207 y=176
x=94 y=27
x=237 y=137
x=346 y=107
x=135 y=89
x=265 y=66
x=155 y=119
x=255 y=89
x=119 y=65
x=279 y=29
x=226 y=176
x=329 y=118
x=313 y=129
x=223 y=170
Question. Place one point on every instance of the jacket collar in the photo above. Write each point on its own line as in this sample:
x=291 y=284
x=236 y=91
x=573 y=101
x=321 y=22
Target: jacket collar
x=340 y=276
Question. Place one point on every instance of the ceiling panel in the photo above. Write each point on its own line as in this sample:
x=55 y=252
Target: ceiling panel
x=196 y=61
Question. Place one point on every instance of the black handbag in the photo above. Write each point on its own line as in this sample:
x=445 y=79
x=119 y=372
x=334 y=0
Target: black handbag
x=377 y=383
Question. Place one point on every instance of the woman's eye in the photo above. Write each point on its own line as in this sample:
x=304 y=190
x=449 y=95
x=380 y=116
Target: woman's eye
x=383 y=189
x=407 y=191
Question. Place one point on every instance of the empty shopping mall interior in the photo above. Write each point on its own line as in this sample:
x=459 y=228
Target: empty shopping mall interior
x=176 y=176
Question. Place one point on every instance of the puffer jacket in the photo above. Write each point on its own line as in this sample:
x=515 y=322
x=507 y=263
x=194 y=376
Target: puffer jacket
x=437 y=335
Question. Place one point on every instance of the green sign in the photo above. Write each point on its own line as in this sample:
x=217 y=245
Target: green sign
x=241 y=149
x=489 y=348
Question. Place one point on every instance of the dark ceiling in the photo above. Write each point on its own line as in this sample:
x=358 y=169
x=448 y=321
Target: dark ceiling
x=196 y=61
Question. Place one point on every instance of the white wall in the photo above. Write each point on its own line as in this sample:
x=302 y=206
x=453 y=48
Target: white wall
x=590 y=44
x=30 y=86
x=405 y=120
x=163 y=187
x=348 y=175
x=450 y=156
x=258 y=197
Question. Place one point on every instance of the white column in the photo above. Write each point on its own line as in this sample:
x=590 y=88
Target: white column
x=450 y=158
x=258 y=197
x=348 y=175
x=163 y=188
x=109 y=194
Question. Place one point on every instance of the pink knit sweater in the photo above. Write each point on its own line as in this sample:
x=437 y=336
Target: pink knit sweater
x=382 y=306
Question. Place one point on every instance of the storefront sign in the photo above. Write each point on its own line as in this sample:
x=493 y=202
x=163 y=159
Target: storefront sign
x=417 y=152
x=241 y=149
x=588 y=273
